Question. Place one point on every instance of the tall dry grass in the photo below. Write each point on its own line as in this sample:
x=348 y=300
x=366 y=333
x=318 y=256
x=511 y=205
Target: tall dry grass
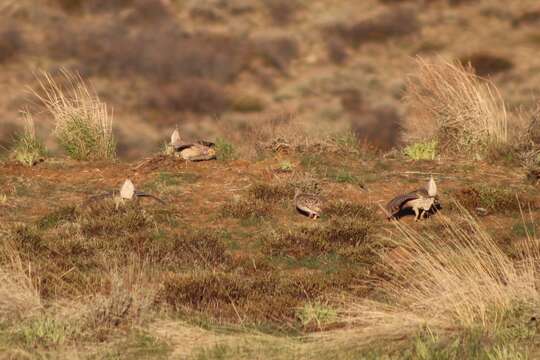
x=28 y=149
x=461 y=110
x=19 y=295
x=451 y=279
x=83 y=124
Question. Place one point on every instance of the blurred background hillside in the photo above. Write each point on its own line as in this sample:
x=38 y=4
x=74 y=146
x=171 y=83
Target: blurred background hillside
x=227 y=68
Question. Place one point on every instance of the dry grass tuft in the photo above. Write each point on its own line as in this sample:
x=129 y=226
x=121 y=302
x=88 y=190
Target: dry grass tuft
x=83 y=124
x=19 y=295
x=453 y=280
x=464 y=112
x=28 y=150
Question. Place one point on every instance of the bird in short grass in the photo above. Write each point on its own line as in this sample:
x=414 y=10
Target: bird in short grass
x=421 y=201
x=193 y=151
x=308 y=204
x=127 y=192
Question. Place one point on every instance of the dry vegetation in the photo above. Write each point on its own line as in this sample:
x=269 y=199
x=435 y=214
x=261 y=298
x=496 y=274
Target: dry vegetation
x=467 y=113
x=293 y=97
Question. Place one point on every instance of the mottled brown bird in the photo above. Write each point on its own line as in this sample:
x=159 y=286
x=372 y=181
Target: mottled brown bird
x=308 y=204
x=420 y=201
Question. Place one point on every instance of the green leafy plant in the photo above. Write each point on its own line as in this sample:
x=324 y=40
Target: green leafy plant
x=317 y=313
x=286 y=166
x=422 y=151
x=224 y=150
x=44 y=332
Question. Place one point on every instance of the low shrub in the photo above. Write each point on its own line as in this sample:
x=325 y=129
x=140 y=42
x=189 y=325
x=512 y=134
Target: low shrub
x=421 y=151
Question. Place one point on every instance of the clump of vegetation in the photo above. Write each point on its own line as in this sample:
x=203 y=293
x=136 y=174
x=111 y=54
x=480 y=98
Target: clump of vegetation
x=349 y=209
x=421 y=150
x=285 y=167
x=381 y=128
x=396 y=22
x=485 y=64
x=225 y=151
x=492 y=199
x=466 y=113
x=524 y=229
x=317 y=314
x=238 y=298
x=200 y=96
x=83 y=124
x=247 y=104
x=55 y=217
x=28 y=150
x=282 y=12
x=272 y=192
x=453 y=281
x=347 y=142
x=336 y=50
x=11 y=41
x=344 y=176
x=19 y=293
x=246 y=209
x=44 y=332
x=277 y=51
x=317 y=240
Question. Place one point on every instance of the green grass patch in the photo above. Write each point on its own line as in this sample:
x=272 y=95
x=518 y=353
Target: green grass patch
x=524 y=229
x=44 y=332
x=225 y=150
x=28 y=149
x=316 y=313
x=139 y=345
x=421 y=151
x=52 y=219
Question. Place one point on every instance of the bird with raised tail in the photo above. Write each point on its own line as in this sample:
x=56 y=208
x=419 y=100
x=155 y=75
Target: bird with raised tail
x=193 y=151
x=127 y=193
x=421 y=201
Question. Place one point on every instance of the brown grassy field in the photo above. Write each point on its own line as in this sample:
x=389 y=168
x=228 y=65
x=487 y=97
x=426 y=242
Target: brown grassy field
x=354 y=101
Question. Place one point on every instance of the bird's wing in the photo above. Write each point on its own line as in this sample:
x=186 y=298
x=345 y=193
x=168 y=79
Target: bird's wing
x=183 y=146
x=310 y=202
x=206 y=143
x=142 y=194
x=394 y=206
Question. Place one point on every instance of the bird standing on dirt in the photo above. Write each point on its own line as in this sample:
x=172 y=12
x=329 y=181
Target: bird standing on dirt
x=421 y=201
x=307 y=204
x=196 y=151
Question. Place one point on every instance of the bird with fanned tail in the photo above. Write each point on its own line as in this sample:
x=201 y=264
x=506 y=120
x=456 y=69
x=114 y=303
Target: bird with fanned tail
x=421 y=201
x=192 y=151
